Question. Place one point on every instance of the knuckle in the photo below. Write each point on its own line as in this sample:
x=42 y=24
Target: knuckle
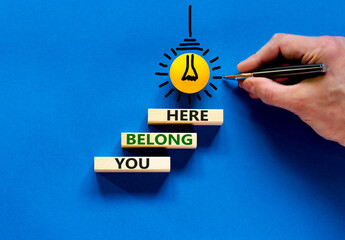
x=281 y=39
x=278 y=36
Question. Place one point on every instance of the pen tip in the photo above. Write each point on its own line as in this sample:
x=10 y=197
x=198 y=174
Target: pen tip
x=230 y=77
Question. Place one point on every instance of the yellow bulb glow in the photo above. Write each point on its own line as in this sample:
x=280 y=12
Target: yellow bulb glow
x=189 y=73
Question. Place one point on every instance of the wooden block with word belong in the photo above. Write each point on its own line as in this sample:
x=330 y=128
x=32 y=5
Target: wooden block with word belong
x=132 y=164
x=186 y=116
x=159 y=140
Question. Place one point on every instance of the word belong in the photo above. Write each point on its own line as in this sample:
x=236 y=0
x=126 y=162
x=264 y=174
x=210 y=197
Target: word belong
x=166 y=140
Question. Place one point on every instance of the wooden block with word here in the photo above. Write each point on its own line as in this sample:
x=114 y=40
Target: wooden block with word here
x=132 y=164
x=159 y=140
x=186 y=116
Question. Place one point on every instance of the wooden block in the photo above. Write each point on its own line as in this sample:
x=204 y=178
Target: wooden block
x=159 y=140
x=132 y=164
x=186 y=116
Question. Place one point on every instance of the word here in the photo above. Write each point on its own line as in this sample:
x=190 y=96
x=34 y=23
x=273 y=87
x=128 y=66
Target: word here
x=186 y=116
x=159 y=140
x=132 y=164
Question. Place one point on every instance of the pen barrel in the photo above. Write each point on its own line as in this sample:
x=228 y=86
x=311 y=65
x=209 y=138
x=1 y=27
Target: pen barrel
x=288 y=71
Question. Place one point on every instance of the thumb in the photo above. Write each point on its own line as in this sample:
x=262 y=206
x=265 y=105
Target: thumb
x=271 y=93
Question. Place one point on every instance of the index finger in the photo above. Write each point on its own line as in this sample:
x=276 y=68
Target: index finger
x=292 y=47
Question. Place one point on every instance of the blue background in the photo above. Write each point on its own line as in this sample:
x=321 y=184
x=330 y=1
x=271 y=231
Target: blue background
x=75 y=74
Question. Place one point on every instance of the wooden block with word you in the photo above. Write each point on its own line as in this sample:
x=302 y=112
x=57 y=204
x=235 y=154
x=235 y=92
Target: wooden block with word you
x=132 y=164
x=159 y=140
x=186 y=116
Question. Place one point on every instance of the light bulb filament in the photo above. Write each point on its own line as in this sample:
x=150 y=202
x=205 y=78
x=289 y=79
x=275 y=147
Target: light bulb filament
x=190 y=73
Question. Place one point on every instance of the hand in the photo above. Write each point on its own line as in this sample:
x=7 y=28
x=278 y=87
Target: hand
x=319 y=101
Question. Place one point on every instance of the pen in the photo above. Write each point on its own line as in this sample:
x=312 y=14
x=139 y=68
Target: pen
x=281 y=72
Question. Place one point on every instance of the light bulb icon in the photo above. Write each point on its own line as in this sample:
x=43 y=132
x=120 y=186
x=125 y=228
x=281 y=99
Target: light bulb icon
x=190 y=73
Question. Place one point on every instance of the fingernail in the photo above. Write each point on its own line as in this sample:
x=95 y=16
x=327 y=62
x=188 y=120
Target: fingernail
x=249 y=86
x=240 y=83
